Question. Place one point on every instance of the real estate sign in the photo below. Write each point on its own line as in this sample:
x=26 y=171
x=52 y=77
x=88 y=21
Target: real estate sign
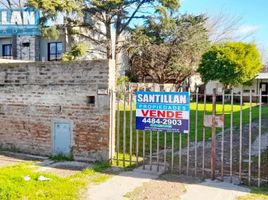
x=19 y=22
x=163 y=111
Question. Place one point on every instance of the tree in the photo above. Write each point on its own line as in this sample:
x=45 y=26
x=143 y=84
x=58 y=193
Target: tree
x=104 y=17
x=12 y=3
x=168 y=49
x=224 y=27
x=231 y=63
x=77 y=51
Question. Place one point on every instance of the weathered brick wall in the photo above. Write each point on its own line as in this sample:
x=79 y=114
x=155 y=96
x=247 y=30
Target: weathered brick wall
x=32 y=95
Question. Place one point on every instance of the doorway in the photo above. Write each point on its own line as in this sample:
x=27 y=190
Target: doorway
x=264 y=91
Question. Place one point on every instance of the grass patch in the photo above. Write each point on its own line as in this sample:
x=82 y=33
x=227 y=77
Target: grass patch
x=128 y=165
x=200 y=113
x=257 y=194
x=14 y=187
x=61 y=157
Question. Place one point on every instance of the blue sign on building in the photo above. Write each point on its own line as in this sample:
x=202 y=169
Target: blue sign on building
x=19 y=22
x=163 y=111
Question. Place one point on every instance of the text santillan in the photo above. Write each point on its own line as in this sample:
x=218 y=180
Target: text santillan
x=162 y=98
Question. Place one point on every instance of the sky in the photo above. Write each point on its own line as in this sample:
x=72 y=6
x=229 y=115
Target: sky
x=253 y=15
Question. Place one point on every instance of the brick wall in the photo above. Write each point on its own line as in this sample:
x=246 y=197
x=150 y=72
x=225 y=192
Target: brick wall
x=33 y=95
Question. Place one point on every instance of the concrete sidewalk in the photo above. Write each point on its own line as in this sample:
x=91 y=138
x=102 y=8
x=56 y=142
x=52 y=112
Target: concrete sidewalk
x=119 y=185
x=116 y=187
x=11 y=158
x=213 y=190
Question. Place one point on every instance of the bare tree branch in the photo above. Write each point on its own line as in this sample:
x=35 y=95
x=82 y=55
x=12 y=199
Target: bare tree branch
x=224 y=27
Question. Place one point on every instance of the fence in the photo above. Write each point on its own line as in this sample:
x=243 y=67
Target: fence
x=241 y=144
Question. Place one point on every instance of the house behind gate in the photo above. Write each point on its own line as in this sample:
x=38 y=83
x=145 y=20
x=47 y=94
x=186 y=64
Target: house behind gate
x=259 y=87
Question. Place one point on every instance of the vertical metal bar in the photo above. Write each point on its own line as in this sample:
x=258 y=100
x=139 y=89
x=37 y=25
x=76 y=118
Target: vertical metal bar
x=196 y=133
x=180 y=152
x=157 y=145
x=240 y=135
x=118 y=132
x=143 y=145
x=259 y=150
x=124 y=131
x=130 y=125
x=172 y=152
x=157 y=151
x=137 y=142
x=188 y=154
x=151 y=142
x=204 y=134
x=222 y=137
x=165 y=150
x=151 y=147
x=180 y=147
x=250 y=137
x=162 y=88
x=112 y=126
x=188 y=150
x=137 y=147
x=213 y=136
x=188 y=141
x=231 y=136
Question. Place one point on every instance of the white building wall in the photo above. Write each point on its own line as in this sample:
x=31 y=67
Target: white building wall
x=94 y=52
x=195 y=80
x=44 y=46
x=246 y=89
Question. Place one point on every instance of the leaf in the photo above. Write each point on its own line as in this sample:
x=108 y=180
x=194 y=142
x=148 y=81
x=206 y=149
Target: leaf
x=231 y=63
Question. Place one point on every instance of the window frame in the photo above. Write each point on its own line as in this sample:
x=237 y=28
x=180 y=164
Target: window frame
x=9 y=53
x=56 y=55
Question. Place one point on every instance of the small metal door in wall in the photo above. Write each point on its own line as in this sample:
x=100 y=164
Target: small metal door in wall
x=62 y=138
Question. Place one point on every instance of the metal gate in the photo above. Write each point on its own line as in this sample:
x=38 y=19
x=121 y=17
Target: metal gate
x=241 y=144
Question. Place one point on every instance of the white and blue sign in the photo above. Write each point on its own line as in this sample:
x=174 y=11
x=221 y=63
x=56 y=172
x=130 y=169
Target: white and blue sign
x=19 y=22
x=163 y=111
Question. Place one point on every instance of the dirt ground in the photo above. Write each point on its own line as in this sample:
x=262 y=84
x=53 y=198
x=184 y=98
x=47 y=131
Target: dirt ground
x=167 y=187
x=11 y=158
x=43 y=164
x=235 y=151
x=64 y=169
x=7 y=161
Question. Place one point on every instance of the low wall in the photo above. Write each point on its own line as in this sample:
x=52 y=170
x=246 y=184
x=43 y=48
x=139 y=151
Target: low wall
x=35 y=95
